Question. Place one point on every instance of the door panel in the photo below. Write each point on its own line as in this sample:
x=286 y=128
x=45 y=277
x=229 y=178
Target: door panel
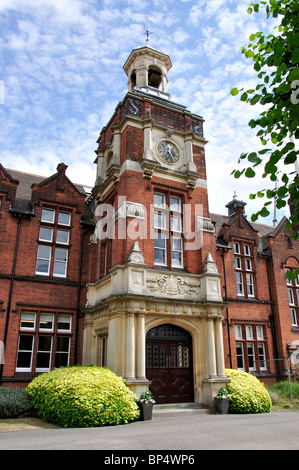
x=169 y=364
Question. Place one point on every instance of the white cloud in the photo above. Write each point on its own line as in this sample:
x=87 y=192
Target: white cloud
x=63 y=78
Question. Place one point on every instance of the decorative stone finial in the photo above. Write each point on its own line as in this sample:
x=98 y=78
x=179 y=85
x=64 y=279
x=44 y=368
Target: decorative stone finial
x=210 y=265
x=136 y=255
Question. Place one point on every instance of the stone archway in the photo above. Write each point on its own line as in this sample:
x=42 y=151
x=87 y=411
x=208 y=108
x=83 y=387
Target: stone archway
x=169 y=364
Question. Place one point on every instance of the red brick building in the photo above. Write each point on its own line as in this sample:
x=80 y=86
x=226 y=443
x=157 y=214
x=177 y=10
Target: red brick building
x=261 y=319
x=42 y=277
x=139 y=275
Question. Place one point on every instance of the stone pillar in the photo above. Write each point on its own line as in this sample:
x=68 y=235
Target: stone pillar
x=164 y=82
x=88 y=340
x=147 y=139
x=140 y=346
x=116 y=147
x=188 y=148
x=130 y=346
x=142 y=76
x=212 y=371
x=111 y=345
x=219 y=349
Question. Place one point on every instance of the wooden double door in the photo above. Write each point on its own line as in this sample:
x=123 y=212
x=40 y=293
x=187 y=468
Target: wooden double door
x=169 y=364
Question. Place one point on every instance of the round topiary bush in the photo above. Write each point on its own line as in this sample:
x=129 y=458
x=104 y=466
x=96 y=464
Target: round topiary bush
x=83 y=396
x=15 y=403
x=248 y=394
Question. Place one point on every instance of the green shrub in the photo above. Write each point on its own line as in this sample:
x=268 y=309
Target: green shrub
x=282 y=389
x=15 y=403
x=248 y=394
x=83 y=396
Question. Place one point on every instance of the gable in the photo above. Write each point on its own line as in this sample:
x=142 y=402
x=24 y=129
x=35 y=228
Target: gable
x=58 y=189
x=8 y=185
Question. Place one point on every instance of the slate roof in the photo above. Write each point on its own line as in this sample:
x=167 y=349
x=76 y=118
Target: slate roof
x=262 y=230
x=22 y=203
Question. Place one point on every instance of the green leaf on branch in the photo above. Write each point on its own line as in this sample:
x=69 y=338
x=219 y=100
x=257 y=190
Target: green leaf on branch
x=250 y=173
x=234 y=91
x=275 y=58
x=291 y=157
x=295 y=56
x=264 y=212
x=294 y=74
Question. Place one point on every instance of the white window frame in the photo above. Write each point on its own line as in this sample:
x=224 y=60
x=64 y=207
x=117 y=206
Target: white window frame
x=238 y=332
x=65 y=353
x=241 y=346
x=23 y=316
x=249 y=332
x=259 y=332
x=250 y=285
x=251 y=345
x=50 y=229
x=161 y=205
x=291 y=297
x=62 y=223
x=68 y=237
x=293 y=316
x=263 y=360
x=248 y=264
x=44 y=219
x=158 y=248
x=163 y=217
x=240 y=285
x=160 y=220
x=174 y=263
x=237 y=249
x=64 y=330
x=288 y=281
x=43 y=315
x=25 y=369
x=246 y=249
x=44 y=369
x=42 y=273
x=60 y=262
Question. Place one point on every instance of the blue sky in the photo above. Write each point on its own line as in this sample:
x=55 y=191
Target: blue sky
x=61 y=77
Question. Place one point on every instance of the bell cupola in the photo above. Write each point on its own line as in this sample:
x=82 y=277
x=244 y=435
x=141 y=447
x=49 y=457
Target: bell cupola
x=147 y=69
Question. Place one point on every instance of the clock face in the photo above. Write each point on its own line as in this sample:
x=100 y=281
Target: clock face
x=168 y=153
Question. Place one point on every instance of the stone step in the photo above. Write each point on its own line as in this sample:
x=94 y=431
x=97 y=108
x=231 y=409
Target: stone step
x=179 y=408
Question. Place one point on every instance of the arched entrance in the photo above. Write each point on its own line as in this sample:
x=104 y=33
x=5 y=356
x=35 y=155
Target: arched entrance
x=169 y=364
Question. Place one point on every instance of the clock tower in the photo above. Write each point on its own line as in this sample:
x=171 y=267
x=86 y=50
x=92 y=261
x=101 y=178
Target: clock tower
x=153 y=311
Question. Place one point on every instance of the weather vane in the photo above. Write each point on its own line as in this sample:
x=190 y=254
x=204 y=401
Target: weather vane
x=147 y=34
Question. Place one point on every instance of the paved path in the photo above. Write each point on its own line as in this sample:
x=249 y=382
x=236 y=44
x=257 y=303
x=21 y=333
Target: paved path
x=174 y=431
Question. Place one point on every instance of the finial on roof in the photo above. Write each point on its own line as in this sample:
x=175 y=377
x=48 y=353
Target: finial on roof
x=235 y=195
x=147 y=34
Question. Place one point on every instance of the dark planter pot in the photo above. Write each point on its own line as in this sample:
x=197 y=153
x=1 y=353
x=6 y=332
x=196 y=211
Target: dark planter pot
x=146 y=411
x=222 y=406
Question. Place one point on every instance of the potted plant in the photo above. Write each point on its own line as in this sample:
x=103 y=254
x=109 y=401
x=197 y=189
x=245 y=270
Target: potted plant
x=222 y=401
x=146 y=403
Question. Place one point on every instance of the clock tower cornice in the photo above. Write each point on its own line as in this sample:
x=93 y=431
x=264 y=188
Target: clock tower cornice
x=146 y=51
x=141 y=110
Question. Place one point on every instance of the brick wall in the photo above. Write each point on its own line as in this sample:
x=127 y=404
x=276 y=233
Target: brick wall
x=31 y=292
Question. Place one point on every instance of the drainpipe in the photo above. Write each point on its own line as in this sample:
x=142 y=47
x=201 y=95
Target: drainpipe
x=10 y=291
x=79 y=294
x=272 y=322
x=227 y=315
